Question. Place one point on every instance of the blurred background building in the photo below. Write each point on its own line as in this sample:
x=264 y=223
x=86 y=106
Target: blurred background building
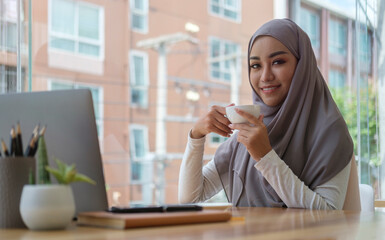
x=155 y=66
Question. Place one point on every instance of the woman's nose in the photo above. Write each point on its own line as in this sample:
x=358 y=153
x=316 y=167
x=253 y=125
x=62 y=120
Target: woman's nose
x=267 y=75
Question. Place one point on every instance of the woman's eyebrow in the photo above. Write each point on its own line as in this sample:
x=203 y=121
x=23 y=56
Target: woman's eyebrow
x=270 y=56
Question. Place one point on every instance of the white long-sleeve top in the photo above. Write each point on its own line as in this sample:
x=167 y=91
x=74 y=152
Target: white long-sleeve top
x=198 y=183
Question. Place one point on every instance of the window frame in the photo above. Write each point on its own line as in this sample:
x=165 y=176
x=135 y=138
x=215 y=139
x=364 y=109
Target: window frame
x=332 y=43
x=222 y=7
x=222 y=68
x=76 y=38
x=134 y=158
x=143 y=13
x=145 y=87
x=309 y=13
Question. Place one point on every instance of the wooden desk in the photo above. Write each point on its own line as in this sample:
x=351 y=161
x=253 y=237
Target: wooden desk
x=250 y=223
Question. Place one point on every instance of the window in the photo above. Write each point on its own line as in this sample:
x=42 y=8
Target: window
x=8 y=25
x=229 y=9
x=139 y=15
x=76 y=27
x=139 y=78
x=337 y=37
x=8 y=79
x=224 y=57
x=336 y=79
x=97 y=98
x=310 y=23
x=139 y=150
x=365 y=54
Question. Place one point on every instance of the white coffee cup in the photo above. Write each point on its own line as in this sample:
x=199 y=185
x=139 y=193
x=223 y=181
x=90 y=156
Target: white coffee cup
x=234 y=117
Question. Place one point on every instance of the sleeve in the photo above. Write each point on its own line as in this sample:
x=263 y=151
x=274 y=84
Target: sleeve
x=294 y=193
x=197 y=184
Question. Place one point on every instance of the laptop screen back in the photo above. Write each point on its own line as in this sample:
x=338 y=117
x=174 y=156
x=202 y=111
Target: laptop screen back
x=71 y=135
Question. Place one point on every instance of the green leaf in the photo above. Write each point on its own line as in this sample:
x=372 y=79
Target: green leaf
x=83 y=178
x=66 y=174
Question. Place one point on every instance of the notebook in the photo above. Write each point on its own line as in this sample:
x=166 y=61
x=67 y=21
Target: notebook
x=71 y=135
x=135 y=220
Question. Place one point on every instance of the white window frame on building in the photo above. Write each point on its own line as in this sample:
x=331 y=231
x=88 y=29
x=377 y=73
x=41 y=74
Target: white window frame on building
x=88 y=43
x=337 y=44
x=220 y=69
x=139 y=13
x=135 y=85
x=8 y=26
x=365 y=51
x=97 y=100
x=222 y=8
x=8 y=80
x=142 y=164
x=310 y=23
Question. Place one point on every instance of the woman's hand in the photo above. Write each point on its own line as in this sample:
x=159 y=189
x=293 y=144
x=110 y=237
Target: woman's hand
x=253 y=135
x=213 y=121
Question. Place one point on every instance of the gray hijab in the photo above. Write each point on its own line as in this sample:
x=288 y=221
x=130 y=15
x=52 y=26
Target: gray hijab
x=307 y=130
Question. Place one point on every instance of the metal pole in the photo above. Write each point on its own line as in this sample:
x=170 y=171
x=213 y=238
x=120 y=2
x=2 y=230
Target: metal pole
x=30 y=45
x=161 y=111
x=18 y=67
x=234 y=82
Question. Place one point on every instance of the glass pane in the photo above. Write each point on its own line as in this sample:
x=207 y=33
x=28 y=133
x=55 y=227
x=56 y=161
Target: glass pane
x=215 y=48
x=139 y=4
x=136 y=171
x=88 y=22
x=10 y=30
x=63 y=16
x=138 y=96
x=61 y=86
x=215 y=9
x=63 y=44
x=138 y=22
x=139 y=71
x=231 y=14
x=89 y=49
x=231 y=3
x=139 y=143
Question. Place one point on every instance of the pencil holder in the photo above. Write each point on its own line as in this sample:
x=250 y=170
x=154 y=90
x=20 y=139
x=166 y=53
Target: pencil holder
x=14 y=174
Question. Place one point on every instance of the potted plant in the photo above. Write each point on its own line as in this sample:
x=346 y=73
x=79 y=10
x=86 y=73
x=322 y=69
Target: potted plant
x=46 y=206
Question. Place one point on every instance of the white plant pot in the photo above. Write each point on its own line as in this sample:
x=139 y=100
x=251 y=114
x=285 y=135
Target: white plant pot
x=46 y=206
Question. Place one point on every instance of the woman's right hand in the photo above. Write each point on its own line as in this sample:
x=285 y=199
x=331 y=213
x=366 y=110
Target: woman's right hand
x=213 y=121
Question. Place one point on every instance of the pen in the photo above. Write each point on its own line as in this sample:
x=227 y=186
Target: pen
x=5 y=150
x=12 y=142
x=19 y=142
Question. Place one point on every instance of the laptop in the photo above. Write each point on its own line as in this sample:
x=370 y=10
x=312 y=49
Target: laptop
x=71 y=136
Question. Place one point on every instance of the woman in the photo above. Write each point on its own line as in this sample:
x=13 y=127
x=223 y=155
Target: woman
x=298 y=153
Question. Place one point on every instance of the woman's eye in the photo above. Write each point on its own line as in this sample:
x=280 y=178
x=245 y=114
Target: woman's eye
x=278 y=62
x=255 y=66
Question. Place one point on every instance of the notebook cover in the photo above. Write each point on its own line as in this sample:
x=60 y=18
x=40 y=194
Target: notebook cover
x=134 y=220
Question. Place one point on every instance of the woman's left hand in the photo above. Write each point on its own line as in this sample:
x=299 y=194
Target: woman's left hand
x=253 y=135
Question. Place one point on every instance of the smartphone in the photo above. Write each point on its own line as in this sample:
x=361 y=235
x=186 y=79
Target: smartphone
x=152 y=209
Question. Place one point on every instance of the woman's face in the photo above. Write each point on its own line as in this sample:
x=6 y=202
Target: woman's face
x=272 y=67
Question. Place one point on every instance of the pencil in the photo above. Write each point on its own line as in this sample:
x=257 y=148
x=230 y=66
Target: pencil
x=32 y=141
x=30 y=147
x=5 y=149
x=19 y=142
x=12 y=142
x=36 y=141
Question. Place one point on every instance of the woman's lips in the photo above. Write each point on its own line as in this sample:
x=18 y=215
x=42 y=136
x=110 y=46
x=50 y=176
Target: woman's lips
x=270 y=89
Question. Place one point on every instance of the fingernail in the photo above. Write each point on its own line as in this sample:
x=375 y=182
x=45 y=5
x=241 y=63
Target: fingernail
x=230 y=125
